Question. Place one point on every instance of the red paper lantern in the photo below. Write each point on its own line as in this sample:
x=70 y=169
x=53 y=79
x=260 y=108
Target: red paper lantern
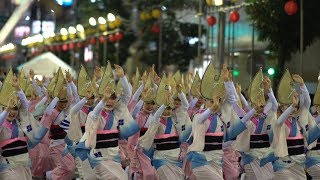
x=65 y=47
x=291 y=8
x=51 y=48
x=112 y=38
x=155 y=28
x=58 y=48
x=93 y=41
x=211 y=20
x=119 y=36
x=234 y=16
x=79 y=45
x=102 y=39
x=71 y=46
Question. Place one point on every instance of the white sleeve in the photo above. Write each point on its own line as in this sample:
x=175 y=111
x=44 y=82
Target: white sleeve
x=137 y=94
x=248 y=116
x=244 y=102
x=284 y=115
x=184 y=101
x=125 y=97
x=52 y=105
x=23 y=99
x=193 y=102
x=3 y=116
x=74 y=92
x=79 y=105
x=204 y=116
x=97 y=110
x=231 y=92
x=159 y=112
x=273 y=101
x=306 y=96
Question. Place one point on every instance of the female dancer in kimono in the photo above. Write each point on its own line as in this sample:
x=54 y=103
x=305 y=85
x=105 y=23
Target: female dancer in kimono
x=19 y=132
x=39 y=155
x=294 y=130
x=204 y=159
x=313 y=155
x=106 y=124
x=56 y=120
x=254 y=143
x=143 y=168
x=198 y=101
x=78 y=116
x=163 y=134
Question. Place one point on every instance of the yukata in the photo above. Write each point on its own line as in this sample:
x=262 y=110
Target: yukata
x=292 y=135
x=16 y=138
x=209 y=132
x=39 y=155
x=167 y=138
x=313 y=156
x=78 y=116
x=103 y=129
x=255 y=142
x=58 y=123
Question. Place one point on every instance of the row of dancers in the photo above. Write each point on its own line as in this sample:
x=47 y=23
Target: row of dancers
x=150 y=127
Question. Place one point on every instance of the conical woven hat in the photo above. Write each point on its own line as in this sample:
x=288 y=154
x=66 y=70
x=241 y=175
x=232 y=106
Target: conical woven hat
x=286 y=89
x=7 y=91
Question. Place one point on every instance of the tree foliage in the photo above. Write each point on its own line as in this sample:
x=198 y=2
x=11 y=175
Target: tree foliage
x=282 y=31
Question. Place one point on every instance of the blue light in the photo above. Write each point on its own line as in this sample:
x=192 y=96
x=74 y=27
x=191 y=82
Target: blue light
x=65 y=2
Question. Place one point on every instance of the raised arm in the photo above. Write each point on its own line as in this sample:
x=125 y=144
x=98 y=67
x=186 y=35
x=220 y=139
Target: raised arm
x=204 y=116
x=52 y=105
x=158 y=113
x=184 y=101
x=232 y=96
x=274 y=102
x=4 y=114
x=248 y=116
x=23 y=99
x=74 y=92
x=77 y=107
x=305 y=94
x=37 y=88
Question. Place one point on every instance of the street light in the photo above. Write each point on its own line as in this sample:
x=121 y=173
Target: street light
x=111 y=17
x=80 y=28
x=63 y=31
x=271 y=71
x=102 y=20
x=92 y=21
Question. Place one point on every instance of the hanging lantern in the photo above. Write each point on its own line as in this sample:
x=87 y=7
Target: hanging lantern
x=58 y=48
x=211 y=20
x=51 y=48
x=209 y=2
x=71 y=46
x=102 y=27
x=118 y=22
x=102 y=39
x=93 y=41
x=65 y=47
x=112 y=25
x=143 y=16
x=156 y=13
x=291 y=8
x=155 y=28
x=234 y=16
x=79 y=45
x=119 y=36
x=112 y=38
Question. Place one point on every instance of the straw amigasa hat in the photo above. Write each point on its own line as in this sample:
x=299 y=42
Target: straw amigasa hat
x=107 y=80
x=8 y=92
x=212 y=84
x=85 y=83
x=316 y=98
x=176 y=79
x=148 y=94
x=136 y=81
x=195 y=87
x=256 y=90
x=164 y=90
x=23 y=80
x=286 y=89
x=60 y=89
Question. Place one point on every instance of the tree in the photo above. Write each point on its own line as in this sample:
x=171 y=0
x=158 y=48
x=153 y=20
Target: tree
x=282 y=31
